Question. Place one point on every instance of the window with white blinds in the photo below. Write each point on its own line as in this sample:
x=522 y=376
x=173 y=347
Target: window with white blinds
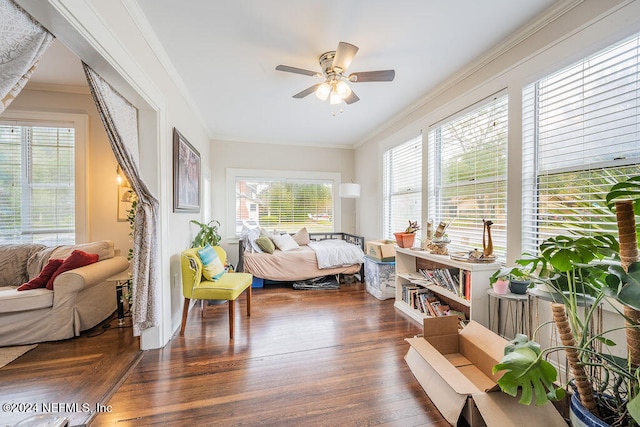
x=581 y=134
x=468 y=174
x=37 y=191
x=402 y=186
x=284 y=204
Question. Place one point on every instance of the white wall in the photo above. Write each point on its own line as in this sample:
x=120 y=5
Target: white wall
x=540 y=49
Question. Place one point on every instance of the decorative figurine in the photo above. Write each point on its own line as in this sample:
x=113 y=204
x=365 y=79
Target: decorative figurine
x=487 y=245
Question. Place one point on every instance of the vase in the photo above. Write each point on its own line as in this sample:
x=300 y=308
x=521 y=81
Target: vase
x=581 y=417
x=500 y=287
x=405 y=240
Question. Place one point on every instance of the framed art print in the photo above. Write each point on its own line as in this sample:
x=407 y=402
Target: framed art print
x=186 y=175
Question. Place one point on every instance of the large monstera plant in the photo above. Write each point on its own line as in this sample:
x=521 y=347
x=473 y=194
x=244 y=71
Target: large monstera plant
x=582 y=273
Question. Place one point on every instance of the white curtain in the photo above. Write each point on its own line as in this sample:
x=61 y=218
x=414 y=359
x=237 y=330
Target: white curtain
x=120 y=120
x=22 y=42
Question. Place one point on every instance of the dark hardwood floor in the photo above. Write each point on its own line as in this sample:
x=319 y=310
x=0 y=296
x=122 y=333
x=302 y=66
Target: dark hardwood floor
x=60 y=377
x=304 y=357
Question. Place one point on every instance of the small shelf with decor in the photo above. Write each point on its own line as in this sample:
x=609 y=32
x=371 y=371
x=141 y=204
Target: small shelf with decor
x=422 y=276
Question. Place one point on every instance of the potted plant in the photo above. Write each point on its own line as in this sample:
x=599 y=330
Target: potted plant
x=516 y=279
x=406 y=238
x=208 y=233
x=500 y=284
x=580 y=272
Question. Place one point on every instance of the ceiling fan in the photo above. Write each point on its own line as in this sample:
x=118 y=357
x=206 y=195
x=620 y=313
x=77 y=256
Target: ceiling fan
x=334 y=64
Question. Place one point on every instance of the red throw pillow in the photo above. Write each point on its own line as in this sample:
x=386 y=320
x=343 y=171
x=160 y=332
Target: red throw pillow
x=44 y=276
x=77 y=259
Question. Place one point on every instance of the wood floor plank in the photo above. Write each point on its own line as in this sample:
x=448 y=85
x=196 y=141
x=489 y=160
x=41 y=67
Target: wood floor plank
x=304 y=357
x=55 y=376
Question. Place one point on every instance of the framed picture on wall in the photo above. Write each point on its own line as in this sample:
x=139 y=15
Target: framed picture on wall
x=186 y=175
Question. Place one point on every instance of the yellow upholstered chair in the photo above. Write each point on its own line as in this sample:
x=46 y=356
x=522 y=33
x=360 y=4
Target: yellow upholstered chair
x=228 y=287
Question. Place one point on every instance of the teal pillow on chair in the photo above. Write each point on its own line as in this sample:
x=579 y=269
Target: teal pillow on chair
x=212 y=265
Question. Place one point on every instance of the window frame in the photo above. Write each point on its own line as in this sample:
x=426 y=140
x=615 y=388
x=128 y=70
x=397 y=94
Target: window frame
x=387 y=194
x=434 y=178
x=235 y=173
x=532 y=218
x=80 y=124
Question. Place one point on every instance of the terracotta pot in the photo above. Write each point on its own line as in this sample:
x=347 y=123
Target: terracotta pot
x=405 y=240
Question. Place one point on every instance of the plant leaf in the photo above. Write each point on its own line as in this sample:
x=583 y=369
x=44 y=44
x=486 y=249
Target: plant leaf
x=526 y=370
x=633 y=406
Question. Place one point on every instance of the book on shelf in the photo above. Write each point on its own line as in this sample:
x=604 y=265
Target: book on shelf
x=426 y=302
x=447 y=278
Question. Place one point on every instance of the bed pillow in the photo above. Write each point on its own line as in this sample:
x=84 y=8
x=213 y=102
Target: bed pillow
x=40 y=281
x=302 y=237
x=266 y=244
x=77 y=259
x=285 y=242
x=212 y=265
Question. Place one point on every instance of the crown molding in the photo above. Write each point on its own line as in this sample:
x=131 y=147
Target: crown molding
x=527 y=31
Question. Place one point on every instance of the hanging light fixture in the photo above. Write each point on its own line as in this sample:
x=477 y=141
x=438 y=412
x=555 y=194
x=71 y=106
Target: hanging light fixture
x=323 y=91
x=343 y=89
x=333 y=88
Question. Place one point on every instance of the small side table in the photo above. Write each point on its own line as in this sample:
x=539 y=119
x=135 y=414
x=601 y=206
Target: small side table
x=122 y=280
x=513 y=315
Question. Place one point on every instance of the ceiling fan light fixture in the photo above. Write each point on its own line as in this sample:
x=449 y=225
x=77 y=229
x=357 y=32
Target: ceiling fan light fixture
x=343 y=89
x=323 y=91
x=335 y=98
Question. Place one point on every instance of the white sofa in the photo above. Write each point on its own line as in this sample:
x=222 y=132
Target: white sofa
x=81 y=298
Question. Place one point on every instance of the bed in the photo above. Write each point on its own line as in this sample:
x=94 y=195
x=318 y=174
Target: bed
x=302 y=263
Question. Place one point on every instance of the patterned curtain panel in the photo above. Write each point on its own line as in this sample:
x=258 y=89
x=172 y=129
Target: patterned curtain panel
x=22 y=42
x=120 y=120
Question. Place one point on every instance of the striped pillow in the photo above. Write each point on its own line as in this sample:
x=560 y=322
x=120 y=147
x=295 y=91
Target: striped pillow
x=213 y=268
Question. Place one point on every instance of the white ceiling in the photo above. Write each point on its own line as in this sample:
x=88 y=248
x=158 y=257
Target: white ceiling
x=225 y=54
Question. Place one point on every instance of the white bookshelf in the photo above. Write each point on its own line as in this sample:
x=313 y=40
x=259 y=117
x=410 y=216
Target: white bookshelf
x=475 y=308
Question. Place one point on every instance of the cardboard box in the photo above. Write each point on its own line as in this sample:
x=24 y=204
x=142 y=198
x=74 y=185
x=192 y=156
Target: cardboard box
x=380 y=278
x=381 y=250
x=454 y=369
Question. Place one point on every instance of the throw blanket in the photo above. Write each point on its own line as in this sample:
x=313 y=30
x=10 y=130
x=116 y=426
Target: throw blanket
x=333 y=253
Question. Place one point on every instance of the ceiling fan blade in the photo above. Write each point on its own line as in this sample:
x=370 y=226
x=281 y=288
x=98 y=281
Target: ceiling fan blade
x=307 y=91
x=295 y=70
x=351 y=98
x=344 y=55
x=373 y=76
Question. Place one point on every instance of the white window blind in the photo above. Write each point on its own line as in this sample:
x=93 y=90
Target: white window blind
x=285 y=204
x=581 y=134
x=37 y=195
x=468 y=172
x=402 y=186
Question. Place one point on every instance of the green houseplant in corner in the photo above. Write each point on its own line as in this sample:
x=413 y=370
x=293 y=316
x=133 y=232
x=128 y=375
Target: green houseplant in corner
x=580 y=272
x=208 y=233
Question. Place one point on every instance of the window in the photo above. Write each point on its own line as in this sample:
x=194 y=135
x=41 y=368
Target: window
x=37 y=183
x=285 y=201
x=468 y=174
x=581 y=134
x=402 y=186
